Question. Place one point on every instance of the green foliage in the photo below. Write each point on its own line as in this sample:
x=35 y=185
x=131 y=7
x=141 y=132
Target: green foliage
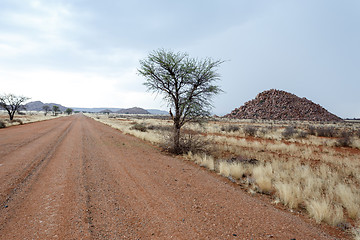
x=46 y=109
x=187 y=85
x=55 y=110
x=69 y=111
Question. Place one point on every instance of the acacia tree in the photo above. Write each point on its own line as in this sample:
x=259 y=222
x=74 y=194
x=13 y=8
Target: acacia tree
x=69 y=111
x=46 y=108
x=12 y=103
x=55 y=110
x=187 y=85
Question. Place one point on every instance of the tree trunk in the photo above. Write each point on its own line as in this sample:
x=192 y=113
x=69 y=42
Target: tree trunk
x=177 y=148
x=11 y=114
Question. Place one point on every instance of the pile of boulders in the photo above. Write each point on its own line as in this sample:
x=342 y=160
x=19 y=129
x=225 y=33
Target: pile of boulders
x=280 y=105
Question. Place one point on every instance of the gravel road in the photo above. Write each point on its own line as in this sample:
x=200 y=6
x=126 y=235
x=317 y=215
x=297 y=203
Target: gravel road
x=75 y=178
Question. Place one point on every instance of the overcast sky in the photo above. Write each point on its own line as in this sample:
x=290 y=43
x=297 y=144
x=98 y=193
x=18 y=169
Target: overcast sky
x=86 y=53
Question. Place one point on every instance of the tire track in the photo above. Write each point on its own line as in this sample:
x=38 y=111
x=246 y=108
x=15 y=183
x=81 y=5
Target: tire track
x=24 y=182
x=17 y=147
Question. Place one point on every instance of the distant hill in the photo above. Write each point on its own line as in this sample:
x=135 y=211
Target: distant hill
x=134 y=110
x=280 y=105
x=95 y=110
x=38 y=106
x=157 y=112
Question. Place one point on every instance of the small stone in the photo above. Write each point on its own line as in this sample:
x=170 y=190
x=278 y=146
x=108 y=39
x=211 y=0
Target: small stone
x=234 y=235
x=6 y=206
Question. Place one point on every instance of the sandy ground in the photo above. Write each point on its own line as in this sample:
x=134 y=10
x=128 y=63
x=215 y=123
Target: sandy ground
x=75 y=178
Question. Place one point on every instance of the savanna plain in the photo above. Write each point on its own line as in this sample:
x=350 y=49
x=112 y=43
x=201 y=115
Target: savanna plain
x=72 y=177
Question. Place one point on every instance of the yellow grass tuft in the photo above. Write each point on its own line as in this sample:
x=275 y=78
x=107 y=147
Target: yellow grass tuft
x=289 y=194
x=224 y=168
x=263 y=176
x=323 y=211
x=349 y=200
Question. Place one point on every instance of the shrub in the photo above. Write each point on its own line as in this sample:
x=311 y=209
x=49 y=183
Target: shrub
x=250 y=131
x=160 y=127
x=289 y=132
x=311 y=130
x=2 y=124
x=325 y=132
x=188 y=143
x=140 y=127
x=230 y=128
x=302 y=134
x=343 y=142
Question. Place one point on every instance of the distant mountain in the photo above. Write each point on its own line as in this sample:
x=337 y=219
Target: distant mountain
x=95 y=110
x=134 y=110
x=38 y=106
x=157 y=112
x=122 y=110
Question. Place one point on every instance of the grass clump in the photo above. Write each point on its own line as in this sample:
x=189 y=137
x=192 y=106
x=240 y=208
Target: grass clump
x=263 y=176
x=289 y=194
x=323 y=211
x=2 y=124
x=349 y=200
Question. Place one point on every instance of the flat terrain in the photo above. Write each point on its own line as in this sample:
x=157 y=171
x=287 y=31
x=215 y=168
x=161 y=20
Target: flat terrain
x=75 y=178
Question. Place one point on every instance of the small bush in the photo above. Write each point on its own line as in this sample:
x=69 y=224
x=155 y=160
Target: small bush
x=2 y=124
x=312 y=130
x=188 y=143
x=344 y=142
x=302 y=134
x=325 y=132
x=289 y=132
x=230 y=128
x=160 y=128
x=250 y=131
x=140 y=127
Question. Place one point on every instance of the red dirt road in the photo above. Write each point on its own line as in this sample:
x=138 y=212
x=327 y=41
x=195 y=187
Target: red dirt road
x=75 y=178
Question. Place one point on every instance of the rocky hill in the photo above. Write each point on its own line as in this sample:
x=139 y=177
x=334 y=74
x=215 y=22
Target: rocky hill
x=134 y=110
x=38 y=106
x=280 y=105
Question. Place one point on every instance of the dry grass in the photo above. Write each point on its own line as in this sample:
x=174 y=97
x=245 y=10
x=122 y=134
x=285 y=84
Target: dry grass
x=302 y=172
x=29 y=117
x=356 y=233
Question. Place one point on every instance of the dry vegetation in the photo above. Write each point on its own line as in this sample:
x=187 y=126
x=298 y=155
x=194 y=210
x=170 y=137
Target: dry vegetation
x=310 y=167
x=29 y=117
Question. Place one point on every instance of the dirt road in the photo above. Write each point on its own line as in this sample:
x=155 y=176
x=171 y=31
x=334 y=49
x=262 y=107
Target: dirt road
x=75 y=178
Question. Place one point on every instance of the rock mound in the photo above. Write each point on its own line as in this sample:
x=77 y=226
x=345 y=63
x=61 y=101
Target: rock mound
x=280 y=105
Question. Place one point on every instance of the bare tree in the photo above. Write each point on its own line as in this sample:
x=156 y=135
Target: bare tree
x=12 y=103
x=46 y=108
x=187 y=85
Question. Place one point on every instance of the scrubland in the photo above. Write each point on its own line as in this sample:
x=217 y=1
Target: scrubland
x=28 y=117
x=311 y=168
